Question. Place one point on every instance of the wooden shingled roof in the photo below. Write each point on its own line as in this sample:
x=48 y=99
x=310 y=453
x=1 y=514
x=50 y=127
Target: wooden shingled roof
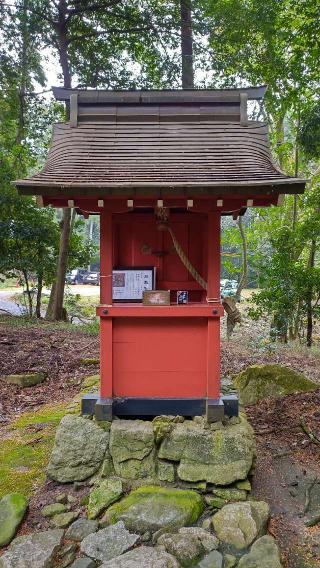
x=148 y=140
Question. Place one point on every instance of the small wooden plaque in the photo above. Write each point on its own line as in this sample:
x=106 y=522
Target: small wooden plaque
x=156 y=297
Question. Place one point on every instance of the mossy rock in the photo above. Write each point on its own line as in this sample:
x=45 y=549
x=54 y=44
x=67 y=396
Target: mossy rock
x=89 y=361
x=102 y=496
x=79 y=450
x=89 y=382
x=264 y=553
x=220 y=457
x=237 y=525
x=12 y=510
x=24 y=380
x=262 y=381
x=53 y=509
x=151 y=508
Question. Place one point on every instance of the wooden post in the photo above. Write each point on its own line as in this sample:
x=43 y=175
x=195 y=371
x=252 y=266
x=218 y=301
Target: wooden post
x=213 y=296
x=106 y=266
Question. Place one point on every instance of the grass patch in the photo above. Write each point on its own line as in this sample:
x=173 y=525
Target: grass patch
x=91 y=328
x=23 y=462
x=25 y=450
x=47 y=414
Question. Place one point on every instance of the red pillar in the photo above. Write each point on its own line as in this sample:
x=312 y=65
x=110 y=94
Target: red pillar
x=213 y=297
x=106 y=266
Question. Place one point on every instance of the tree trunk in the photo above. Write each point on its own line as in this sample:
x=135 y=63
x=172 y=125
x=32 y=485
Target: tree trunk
x=279 y=328
x=186 y=44
x=57 y=290
x=296 y=173
x=22 y=69
x=29 y=294
x=90 y=235
x=280 y=138
x=39 y=293
x=57 y=308
x=50 y=303
x=310 y=296
x=244 y=271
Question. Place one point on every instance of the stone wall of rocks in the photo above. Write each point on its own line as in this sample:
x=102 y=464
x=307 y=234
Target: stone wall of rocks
x=167 y=450
x=167 y=493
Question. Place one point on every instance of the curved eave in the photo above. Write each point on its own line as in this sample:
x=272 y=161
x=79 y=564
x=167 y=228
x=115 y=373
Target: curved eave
x=286 y=185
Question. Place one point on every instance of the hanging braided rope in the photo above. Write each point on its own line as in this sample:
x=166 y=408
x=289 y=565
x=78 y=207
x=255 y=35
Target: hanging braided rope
x=184 y=259
x=233 y=314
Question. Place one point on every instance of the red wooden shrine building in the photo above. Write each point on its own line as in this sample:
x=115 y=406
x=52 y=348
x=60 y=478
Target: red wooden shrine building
x=160 y=168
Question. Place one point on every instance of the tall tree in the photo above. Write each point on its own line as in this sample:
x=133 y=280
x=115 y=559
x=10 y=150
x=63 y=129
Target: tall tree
x=100 y=31
x=186 y=45
x=275 y=42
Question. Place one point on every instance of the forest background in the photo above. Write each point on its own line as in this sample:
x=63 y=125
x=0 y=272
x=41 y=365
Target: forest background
x=160 y=44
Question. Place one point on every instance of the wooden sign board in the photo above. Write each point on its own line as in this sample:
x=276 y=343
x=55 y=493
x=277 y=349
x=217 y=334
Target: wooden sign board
x=156 y=298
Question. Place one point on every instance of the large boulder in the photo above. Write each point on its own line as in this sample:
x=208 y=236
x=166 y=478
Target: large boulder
x=12 y=510
x=239 y=524
x=143 y=557
x=153 y=508
x=34 y=550
x=103 y=495
x=79 y=449
x=219 y=456
x=264 y=553
x=108 y=543
x=132 y=448
x=261 y=381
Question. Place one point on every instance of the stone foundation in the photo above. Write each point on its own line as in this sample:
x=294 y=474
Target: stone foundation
x=167 y=450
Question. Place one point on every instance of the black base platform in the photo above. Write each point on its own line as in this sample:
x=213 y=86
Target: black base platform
x=104 y=409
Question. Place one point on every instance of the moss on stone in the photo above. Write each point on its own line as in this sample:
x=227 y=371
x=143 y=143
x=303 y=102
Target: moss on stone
x=89 y=382
x=12 y=510
x=89 y=361
x=261 y=381
x=162 y=425
x=153 y=507
x=230 y=494
x=109 y=491
x=24 y=380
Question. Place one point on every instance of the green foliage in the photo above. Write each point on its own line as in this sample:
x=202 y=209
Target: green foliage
x=287 y=278
x=309 y=136
x=80 y=308
x=28 y=235
x=134 y=44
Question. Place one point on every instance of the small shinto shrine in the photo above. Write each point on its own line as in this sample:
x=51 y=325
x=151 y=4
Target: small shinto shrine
x=160 y=168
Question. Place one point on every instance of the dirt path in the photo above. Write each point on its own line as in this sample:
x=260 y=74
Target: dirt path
x=287 y=469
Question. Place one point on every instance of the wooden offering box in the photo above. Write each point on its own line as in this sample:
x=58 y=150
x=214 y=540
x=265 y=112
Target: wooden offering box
x=160 y=168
